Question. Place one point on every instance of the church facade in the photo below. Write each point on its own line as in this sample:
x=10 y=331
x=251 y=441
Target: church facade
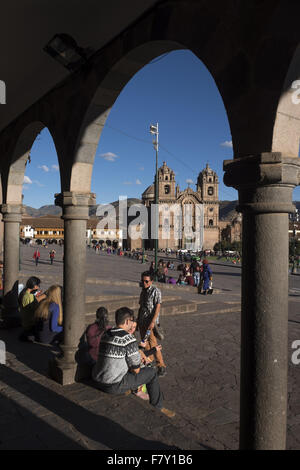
x=188 y=219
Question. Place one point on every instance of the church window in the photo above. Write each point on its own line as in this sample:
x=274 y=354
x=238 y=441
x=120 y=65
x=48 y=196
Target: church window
x=166 y=178
x=211 y=209
x=210 y=191
x=211 y=222
x=167 y=189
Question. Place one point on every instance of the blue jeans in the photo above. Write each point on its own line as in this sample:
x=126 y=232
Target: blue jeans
x=196 y=278
x=132 y=381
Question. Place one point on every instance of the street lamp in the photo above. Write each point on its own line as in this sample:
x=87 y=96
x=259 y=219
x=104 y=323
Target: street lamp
x=65 y=50
x=154 y=131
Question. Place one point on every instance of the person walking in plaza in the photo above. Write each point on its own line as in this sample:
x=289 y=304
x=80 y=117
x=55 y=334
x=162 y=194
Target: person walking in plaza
x=148 y=317
x=49 y=317
x=118 y=368
x=206 y=276
x=52 y=255
x=36 y=256
x=29 y=301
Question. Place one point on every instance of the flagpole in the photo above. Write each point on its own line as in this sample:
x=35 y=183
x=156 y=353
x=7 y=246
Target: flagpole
x=156 y=202
x=154 y=130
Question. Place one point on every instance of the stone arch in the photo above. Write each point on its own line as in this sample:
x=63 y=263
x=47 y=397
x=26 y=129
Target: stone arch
x=13 y=176
x=132 y=51
x=100 y=106
x=286 y=132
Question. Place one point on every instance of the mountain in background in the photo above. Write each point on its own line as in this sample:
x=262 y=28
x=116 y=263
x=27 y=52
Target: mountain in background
x=130 y=202
x=57 y=211
x=42 y=211
x=227 y=209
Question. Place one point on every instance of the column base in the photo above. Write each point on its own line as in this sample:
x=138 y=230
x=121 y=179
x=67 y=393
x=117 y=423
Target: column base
x=62 y=373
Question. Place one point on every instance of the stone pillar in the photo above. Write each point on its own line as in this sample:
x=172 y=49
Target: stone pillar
x=75 y=214
x=12 y=216
x=265 y=183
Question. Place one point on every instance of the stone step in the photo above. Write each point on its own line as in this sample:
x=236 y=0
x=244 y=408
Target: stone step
x=112 y=303
x=176 y=307
x=171 y=306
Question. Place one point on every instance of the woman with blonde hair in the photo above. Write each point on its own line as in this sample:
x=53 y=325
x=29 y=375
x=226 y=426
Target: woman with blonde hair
x=49 y=317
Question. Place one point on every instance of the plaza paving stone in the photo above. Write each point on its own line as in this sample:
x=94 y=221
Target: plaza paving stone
x=201 y=350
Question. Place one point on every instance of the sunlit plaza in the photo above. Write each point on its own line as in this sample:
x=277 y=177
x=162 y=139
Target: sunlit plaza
x=203 y=333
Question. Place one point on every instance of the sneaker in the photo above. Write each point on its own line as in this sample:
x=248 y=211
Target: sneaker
x=142 y=395
x=168 y=413
x=151 y=364
x=161 y=371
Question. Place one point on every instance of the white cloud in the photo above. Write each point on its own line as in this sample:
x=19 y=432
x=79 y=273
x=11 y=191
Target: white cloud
x=189 y=181
x=55 y=167
x=138 y=181
x=27 y=180
x=44 y=168
x=109 y=156
x=40 y=185
x=127 y=182
x=227 y=143
x=141 y=168
x=25 y=186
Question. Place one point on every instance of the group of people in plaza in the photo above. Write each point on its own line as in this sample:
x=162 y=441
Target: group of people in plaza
x=37 y=255
x=197 y=273
x=118 y=362
x=41 y=313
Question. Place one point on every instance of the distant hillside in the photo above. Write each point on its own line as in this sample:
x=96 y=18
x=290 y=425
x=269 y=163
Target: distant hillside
x=227 y=209
x=42 y=211
x=57 y=211
x=130 y=202
x=228 y=212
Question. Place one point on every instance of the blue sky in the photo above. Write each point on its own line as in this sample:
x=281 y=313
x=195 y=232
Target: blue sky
x=175 y=90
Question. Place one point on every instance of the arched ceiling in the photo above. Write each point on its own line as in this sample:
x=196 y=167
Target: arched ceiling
x=28 y=25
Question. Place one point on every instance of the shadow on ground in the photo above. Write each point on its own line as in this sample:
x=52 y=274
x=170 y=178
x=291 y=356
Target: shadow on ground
x=95 y=427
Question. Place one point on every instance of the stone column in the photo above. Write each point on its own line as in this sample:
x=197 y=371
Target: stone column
x=265 y=183
x=12 y=216
x=75 y=214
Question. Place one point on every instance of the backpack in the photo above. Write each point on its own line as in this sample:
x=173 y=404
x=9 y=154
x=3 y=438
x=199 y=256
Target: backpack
x=82 y=355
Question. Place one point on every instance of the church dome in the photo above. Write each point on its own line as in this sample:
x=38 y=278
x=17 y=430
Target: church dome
x=149 y=192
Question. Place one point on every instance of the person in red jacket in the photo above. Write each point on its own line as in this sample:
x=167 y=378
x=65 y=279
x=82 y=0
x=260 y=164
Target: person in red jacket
x=36 y=256
x=52 y=255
